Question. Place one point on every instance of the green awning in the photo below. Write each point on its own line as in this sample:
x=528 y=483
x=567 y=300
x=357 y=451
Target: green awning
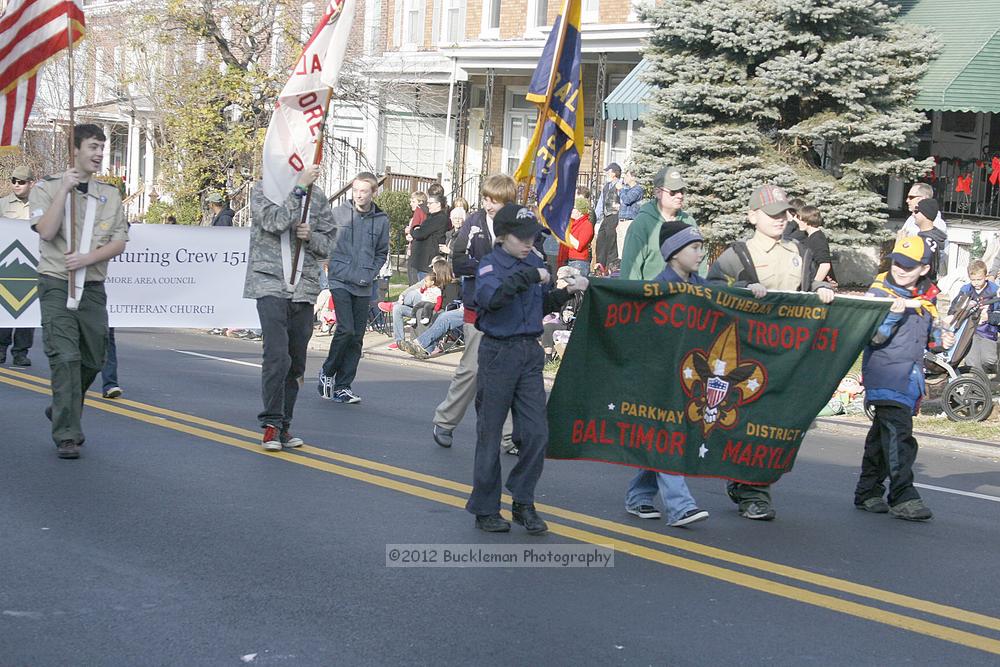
x=628 y=100
x=966 y=74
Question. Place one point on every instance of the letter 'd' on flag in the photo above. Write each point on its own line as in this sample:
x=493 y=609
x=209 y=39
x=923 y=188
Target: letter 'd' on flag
x=297 y=122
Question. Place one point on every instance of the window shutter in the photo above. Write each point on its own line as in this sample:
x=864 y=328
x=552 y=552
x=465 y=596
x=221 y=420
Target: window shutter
x=397 y=22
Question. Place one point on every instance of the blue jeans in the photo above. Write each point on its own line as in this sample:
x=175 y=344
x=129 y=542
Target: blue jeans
x=109 y=374
x=399 y=311
x=442 y=324
x=673 y=491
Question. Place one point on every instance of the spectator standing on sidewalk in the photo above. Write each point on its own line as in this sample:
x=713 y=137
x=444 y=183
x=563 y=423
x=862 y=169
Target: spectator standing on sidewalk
x=222 y=215
x=360 y=247
x=15 y=207
x=286 y=312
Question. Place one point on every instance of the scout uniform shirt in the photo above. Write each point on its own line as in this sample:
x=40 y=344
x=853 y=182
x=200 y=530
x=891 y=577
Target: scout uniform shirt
x=12 y=207
x=109 y=225
x=778 y=263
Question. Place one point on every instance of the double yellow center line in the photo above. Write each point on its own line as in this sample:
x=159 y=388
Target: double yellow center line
x=449 y=492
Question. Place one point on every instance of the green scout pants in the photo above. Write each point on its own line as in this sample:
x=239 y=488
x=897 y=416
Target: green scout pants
x=744 y=494
x=75 y=343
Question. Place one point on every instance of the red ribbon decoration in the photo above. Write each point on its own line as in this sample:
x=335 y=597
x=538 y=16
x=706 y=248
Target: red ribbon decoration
x=980 y=164
x=964 y=184
x=995 y=173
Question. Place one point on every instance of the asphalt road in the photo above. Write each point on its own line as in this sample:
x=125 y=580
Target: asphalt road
x=175 y=540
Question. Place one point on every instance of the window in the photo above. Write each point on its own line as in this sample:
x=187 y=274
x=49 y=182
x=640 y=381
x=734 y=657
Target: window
x=538 y=15
x=519 y=126
x=413 y=22
x=590 y=11
x=453 y=21
x=491 y=19
x=414 y=144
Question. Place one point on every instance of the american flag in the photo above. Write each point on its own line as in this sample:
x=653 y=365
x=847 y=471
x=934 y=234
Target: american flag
x=32 y=32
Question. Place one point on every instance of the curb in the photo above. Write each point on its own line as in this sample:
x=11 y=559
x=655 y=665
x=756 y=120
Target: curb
x=948 y=439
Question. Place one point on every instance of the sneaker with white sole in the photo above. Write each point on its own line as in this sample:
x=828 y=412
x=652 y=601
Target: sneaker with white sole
x=346 y=396
x=689 y=517
x=289 y=440
x=112 y=392
x=758 y=511
x=271 y=441
x=644 y=511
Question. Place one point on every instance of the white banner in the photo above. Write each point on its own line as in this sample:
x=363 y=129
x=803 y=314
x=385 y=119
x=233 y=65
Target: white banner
x=170 y=276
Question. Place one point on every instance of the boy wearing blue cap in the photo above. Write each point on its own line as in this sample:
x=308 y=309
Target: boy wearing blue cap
x=513 y=293
x=893 y=374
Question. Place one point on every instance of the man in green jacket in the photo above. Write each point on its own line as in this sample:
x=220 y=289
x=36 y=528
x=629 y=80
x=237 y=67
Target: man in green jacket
x=641 y=258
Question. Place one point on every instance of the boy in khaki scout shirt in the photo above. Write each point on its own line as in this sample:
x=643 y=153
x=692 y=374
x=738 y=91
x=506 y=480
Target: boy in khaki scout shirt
x=766 y=262
x=75 y=340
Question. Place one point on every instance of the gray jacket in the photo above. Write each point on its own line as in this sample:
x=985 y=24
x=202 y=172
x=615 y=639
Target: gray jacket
x=265 y=275
x=360 y=248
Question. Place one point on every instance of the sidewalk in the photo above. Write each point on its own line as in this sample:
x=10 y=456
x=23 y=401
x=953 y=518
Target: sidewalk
x=376 y=346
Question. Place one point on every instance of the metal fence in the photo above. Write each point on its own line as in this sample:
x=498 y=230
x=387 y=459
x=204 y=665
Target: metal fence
x=982 y=199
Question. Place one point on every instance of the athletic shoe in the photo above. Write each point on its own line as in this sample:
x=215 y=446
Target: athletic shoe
x=271 y=442
x=385 y=306
x=112 y=392
x=876 y=505
x=20 y=361
x=689 y=517
x=442 y=436
x=325 y=386
x=644 y=511
x=289 y=440
x=415 y=349
x=68 y=449
x=346 y=396
x=394 y=346
x=758 y=511
x=912 y=510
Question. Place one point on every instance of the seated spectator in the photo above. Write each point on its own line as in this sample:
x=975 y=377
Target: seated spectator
x=420 y=300
x=983 y=353
x=581 y=233
x=423 y=346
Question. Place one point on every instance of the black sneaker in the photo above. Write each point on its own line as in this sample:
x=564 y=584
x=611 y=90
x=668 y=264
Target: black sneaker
x=492 y=523
x=289 y=440
x=346 y=396
x=528 y=517
x=644 y=511
x=689 y=517
x=20 y=361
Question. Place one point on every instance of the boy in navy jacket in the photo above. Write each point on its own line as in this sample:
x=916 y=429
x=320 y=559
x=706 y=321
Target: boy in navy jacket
x=893 y=374
x=513 y=293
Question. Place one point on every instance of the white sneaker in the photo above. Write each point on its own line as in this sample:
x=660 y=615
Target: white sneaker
x=346 y=396
x=325 y=386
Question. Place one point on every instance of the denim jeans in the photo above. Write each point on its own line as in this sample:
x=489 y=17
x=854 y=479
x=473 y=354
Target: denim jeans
x=286 y=327
x=349 y=335
x=673 y=491
x=445 y=322
x=399 y=311
x=109 y=373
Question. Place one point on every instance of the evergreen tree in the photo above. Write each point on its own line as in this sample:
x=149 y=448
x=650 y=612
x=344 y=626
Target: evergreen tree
x=755 y=91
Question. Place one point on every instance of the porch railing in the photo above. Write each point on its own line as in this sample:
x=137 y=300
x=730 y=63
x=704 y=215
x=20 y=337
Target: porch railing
x=982 y=202
x=390 y=182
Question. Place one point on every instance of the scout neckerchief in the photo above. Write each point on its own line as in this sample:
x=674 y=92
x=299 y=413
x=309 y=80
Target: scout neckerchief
x=287 y=242
x=924 y=291
x=86 y=237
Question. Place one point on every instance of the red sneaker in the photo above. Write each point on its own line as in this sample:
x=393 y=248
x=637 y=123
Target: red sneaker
x=393 y=346
x=386 y=306
x=271 y=442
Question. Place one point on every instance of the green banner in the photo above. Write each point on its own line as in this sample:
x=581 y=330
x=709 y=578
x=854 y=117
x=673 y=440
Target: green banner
x=701 y=380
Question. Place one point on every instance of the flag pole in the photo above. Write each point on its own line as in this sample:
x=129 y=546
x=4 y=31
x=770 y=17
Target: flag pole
x=317 y=158
x=543 y=110
x=71 y=241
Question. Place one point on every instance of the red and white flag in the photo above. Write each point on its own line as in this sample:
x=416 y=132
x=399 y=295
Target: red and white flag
x=32 y=32
x=297 y=122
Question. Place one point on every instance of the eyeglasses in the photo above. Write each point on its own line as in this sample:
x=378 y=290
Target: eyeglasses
x=18 y=181
x=673 y=193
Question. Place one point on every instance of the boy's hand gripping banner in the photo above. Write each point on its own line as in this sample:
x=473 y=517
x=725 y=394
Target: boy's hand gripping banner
x=701 y=380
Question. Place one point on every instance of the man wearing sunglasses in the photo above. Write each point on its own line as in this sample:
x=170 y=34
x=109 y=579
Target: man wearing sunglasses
x=641 y=256
x=15 y=206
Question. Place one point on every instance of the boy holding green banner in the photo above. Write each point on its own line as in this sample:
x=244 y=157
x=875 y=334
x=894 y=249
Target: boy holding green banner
x=766 y=262
x=893 y=375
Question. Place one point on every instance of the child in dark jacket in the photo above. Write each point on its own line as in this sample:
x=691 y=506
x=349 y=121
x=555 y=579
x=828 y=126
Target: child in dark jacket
x=893 y=376
x=513 y=293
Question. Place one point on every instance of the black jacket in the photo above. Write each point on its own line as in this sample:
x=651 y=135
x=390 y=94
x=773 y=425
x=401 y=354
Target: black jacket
x=224 y=218
x=427 y=236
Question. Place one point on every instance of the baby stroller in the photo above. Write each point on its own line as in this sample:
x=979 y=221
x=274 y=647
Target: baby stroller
x=966 y=394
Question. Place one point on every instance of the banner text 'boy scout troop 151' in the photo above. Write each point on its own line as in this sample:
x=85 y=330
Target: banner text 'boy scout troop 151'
x=701 y=380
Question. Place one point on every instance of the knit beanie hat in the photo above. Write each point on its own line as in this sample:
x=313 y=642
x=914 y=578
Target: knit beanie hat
x=929 y=207
x=675 y=236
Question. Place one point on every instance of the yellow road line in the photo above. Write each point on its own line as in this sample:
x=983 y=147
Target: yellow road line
x=716 y=572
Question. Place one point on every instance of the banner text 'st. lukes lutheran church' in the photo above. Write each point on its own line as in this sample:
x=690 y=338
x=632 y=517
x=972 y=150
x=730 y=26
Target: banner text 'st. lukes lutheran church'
x=701 y=380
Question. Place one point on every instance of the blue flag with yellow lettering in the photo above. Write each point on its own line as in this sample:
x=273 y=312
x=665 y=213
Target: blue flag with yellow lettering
x=552 y=160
